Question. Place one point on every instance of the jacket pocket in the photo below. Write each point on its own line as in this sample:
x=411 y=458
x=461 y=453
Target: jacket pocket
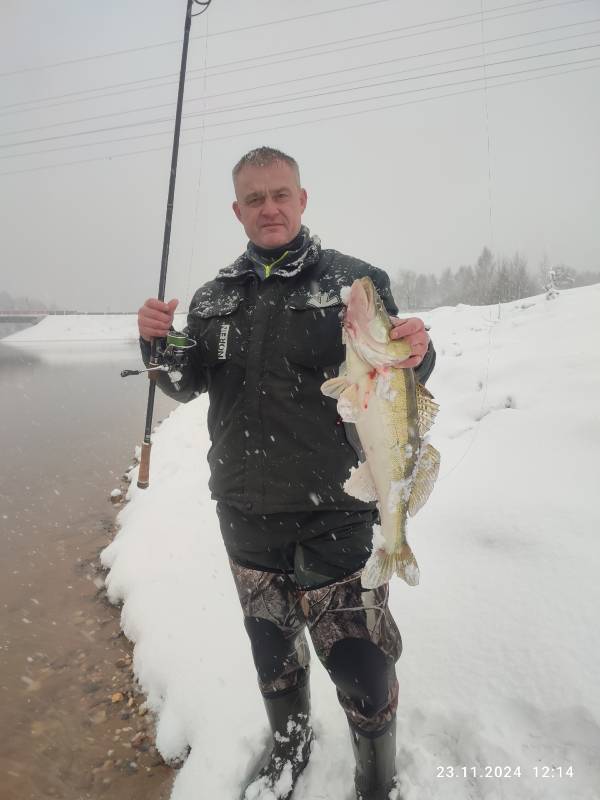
x=220 y=328
x=312 y=330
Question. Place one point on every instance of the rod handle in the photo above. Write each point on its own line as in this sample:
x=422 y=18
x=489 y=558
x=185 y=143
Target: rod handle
x=144 y=474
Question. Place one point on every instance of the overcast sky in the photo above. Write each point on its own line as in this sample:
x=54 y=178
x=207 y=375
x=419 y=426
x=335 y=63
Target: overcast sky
x=396 y=174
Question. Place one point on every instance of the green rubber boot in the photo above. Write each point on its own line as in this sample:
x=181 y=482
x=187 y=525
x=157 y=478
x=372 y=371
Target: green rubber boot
x=375 y=757
x=289 y=717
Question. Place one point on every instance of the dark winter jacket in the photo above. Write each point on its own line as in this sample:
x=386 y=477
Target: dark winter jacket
x=264 y=348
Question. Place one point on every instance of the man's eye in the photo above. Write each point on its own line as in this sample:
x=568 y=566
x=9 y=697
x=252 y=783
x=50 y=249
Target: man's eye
x=281 y=195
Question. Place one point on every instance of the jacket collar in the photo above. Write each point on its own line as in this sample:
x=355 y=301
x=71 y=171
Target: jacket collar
x=290 y=263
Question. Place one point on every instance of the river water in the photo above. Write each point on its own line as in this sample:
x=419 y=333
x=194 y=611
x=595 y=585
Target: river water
x=72 y=725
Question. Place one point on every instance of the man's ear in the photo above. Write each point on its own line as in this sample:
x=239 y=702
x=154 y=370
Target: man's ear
x=236 y=210
x=303 y=199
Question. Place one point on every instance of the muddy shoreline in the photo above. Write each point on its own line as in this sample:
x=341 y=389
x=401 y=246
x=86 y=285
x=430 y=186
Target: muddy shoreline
x=78 y=721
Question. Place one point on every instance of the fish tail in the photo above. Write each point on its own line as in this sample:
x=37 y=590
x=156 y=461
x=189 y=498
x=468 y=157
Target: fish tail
x=406 y=565
x=381 y=566
x=378 y=569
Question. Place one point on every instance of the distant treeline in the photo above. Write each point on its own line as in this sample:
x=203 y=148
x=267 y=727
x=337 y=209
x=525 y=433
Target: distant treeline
x=490 y=280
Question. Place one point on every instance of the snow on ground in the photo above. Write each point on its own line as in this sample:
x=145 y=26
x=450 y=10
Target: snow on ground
x=83 y=338
x=70 y=328
x=501 y=640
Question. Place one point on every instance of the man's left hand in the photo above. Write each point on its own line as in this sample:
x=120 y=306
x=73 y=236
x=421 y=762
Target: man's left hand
x=412 y=330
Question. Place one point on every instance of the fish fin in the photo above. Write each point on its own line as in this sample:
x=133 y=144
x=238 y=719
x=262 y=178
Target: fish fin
x=378 y=569
x=427 y=472
x=427 y=409
x=381 y=566
x=334 y=387
x=360 y=484
x=406 y=565
x=348 y=403
x=399 y=350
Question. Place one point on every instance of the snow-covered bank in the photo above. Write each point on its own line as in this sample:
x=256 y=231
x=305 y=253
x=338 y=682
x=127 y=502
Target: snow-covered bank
x=69 y=328
x=501 y=642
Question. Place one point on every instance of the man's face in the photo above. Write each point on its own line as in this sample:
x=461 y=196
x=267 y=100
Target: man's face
x=269 y=203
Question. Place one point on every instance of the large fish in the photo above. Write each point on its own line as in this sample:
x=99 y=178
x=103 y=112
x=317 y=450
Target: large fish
x=392 y=413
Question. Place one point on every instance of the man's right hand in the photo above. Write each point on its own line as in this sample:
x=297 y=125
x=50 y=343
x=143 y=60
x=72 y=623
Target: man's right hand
x=155 y=318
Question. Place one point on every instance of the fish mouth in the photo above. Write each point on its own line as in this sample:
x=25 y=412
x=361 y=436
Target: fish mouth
x=360 y=308
x=363 y=310
x=368 y=326
x=369 y=289
x=363 y=295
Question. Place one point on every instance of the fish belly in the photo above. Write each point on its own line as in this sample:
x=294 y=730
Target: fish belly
x=388 y=431
x=388 y=436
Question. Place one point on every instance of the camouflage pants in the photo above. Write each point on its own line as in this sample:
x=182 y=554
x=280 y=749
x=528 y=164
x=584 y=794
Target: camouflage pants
x=352 y=630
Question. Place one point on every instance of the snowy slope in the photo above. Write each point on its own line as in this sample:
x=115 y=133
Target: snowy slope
x=501 y=642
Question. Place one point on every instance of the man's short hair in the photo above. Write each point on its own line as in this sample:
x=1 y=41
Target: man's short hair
x=262 y=157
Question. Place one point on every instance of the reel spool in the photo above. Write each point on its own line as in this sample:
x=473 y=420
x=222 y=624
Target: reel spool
x=171 y=356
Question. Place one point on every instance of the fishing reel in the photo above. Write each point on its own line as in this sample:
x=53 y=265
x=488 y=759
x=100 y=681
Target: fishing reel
x=171 y=356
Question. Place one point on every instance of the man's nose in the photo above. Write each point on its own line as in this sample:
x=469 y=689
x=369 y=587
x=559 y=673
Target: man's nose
x=269 y=207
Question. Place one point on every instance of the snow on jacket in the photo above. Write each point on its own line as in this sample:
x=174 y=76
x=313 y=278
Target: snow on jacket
x=264 y=347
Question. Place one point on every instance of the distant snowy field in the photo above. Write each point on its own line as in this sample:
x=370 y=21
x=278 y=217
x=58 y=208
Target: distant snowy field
x=70 y=328
x=501 y=659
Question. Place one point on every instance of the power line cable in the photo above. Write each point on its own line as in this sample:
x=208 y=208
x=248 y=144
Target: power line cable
x=169 y=43
x=283 y=99
x=333 y=88
x=297 y=111
x=327 y=74
x=244 y=62
x=355 y=42
x=296 y=123
x=205 y=4
x=142 y=48
x=389 y=106
x=415 y=25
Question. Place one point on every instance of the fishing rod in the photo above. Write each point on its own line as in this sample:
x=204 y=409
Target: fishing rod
x=173 y=354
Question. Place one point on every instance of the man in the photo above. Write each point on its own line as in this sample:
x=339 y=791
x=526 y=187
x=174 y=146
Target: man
x=268 y=335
